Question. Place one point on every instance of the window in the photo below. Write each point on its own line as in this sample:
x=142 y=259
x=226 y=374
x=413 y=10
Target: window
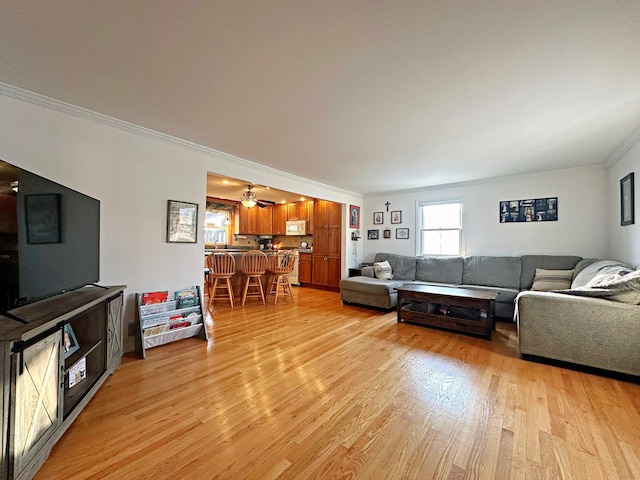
x=440 y=226
x=218 y=223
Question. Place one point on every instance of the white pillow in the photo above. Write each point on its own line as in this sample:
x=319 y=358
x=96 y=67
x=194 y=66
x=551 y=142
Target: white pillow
x=547 y=280
x=383 y=270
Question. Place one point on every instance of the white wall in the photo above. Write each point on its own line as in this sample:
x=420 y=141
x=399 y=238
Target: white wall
x=624 y=242
x=133 y=174
x=582 y=208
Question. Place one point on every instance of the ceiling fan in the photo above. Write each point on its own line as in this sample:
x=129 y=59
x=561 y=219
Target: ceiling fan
x=249 y=199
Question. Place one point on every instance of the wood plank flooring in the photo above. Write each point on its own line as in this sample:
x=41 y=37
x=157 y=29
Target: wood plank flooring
x=318 y=390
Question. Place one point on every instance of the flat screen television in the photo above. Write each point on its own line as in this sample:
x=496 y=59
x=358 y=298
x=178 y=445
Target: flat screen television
x=49 y=238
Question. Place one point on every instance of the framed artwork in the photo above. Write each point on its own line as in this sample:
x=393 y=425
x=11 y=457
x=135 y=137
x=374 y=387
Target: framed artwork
x=42 y=215
x=402 y=233
x=396 y=216
x=378 y=218
x=627 y=214
x=372 y=234
x=354 y=216
x=182 y=222
x=386 y=233
x=530 y=210
x=70 y=342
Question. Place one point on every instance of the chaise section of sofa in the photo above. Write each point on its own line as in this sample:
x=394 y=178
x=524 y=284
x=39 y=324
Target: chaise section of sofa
x=584 y=325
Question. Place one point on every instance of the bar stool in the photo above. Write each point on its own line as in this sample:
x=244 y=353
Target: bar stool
x=281 y=266
x=253 y=264
x=222 y=266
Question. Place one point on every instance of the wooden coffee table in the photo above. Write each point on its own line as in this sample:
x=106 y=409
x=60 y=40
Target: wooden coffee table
x=445 y=307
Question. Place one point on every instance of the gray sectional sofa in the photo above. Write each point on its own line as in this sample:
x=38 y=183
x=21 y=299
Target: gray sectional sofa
x=585 y=325
x=505 y=275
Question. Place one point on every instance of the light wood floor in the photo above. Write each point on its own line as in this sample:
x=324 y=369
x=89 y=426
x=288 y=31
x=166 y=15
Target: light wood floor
x=318 y=390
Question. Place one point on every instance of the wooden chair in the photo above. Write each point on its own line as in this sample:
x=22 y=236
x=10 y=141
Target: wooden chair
x=281 y=266
x=222 y=266
x=253 y=265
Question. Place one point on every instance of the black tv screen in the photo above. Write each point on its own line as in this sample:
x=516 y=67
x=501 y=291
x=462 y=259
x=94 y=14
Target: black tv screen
x=49 y=238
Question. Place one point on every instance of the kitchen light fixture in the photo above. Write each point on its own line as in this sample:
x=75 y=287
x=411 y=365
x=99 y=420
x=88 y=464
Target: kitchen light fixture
x=14 y=186
x=249 y=198
x=227 y=221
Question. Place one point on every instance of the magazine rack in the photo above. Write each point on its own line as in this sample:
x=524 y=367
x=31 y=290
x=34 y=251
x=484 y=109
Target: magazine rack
x=166 y=316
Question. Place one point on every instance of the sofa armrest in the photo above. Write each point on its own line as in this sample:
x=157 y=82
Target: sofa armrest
x=587 y=331
x=368 y=271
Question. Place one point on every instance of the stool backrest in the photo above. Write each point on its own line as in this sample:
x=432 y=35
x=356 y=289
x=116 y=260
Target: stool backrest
x=282 y=262
x=221 y=263
x=253 y=262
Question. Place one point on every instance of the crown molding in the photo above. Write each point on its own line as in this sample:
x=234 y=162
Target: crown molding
x=76 y=111
x=624 y=147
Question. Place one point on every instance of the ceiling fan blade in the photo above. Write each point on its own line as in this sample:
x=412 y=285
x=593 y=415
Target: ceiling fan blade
x=270 y=202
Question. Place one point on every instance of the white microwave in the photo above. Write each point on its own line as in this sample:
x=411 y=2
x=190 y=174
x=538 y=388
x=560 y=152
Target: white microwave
x=296 y=227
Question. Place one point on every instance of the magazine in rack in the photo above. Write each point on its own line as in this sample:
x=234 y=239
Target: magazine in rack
x=167 y=316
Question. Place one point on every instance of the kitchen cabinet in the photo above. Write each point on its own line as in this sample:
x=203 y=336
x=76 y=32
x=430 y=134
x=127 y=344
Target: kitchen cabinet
x=297 y=211
x=304 y=268
x=310 y=219
x=256 y=220
x=326 y=271
x=327 y=244
x=279 y=225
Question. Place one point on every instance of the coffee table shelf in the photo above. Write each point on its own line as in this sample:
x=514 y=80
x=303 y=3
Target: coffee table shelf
x=444 y=307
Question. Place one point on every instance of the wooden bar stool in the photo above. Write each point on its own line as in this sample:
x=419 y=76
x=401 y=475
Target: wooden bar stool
x=253 y=265
x=281 y=266
x=222 y=266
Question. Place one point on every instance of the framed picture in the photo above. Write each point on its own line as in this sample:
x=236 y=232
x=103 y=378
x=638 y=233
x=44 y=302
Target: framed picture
x=529 y=210
x=372 y=234
x=378 y=218
x=386 y=233
x=42 y=215
x=354 y=216
x=182 y=222
x=402 y=233
x=627 y=215
x=396 y=216
x=70 y=342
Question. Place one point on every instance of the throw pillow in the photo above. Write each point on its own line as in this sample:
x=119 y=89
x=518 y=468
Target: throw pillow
x=383 y=270
x=547 y=280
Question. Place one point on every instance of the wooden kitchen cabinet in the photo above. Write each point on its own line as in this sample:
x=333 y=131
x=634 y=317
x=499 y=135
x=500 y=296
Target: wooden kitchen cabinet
x=297 y=211
x=279 y=225
x=256 y=220
x=327 y=244
x=304 y=268
x=310 y=219
x=326 y=270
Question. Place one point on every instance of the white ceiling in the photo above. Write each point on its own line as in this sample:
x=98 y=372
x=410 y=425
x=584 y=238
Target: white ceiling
x=365 y=95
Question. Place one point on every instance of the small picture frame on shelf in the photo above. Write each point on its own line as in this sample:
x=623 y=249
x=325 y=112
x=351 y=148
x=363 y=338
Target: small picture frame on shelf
x=70 y=342
x=396 y=216
x=402 y=233
x=386 y=233
x=373 y=234
x=378 y=218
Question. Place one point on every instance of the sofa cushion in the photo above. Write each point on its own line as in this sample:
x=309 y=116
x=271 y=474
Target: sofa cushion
x=619 y=284
x=492 y=271
x=403 y=266
x=370 y=285
x=383 y=270
x=548 y=262
x=505 y=295
x=439 y=269
x=547 y=280
x=589 y=272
